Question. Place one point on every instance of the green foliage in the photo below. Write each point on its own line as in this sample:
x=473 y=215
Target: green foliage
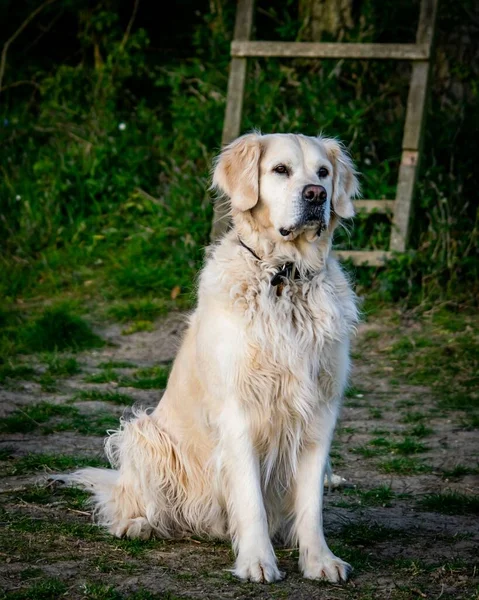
x=113 y=397
x=58 y=329
x=54 y=462
x=47 y=589
x=451 y=503
x=105 y=167
x=47 y=418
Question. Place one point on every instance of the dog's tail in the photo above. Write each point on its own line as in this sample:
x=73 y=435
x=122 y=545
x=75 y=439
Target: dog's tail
x=154 y=484
x=133 y=497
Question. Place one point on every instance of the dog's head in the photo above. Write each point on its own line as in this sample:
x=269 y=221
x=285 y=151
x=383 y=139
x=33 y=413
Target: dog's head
x=288 y=184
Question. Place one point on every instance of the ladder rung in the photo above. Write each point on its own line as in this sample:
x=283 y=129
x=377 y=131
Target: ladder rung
x=374 y=206
x=330 y=50
x=371 y=258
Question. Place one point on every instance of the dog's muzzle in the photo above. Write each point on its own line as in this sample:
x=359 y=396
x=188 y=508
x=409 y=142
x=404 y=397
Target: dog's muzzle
x=313 y=199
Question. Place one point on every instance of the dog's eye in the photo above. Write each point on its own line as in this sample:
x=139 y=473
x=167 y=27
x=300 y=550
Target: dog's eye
x=281 y=169
x=323 y=172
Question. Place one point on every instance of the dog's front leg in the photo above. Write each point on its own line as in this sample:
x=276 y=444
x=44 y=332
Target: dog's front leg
x=255 y=558
x=316 y=560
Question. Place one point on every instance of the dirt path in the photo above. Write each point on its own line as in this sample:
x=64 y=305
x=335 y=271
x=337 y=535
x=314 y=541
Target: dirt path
x=407 y=521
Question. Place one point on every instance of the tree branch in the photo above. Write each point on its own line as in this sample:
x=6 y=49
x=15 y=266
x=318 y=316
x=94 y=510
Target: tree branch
x=7 y=44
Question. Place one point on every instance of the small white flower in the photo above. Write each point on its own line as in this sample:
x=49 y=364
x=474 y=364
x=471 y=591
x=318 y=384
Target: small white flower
x=367 y=161
x=122 y=126
x=18 y=197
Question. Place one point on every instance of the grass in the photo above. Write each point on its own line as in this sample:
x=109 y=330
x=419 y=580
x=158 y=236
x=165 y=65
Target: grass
x=138 y=310
x=113 y=397
x=117 y=364
x=460 y=471
x=380 y=496
x=50 y=588
x=444 y=358
x=33 y=416
x=15 y=372
x=420 y=430
x=381 y=446
x=52 y=462
x=68 y=497
x=145 y=378
x=450 y=503
x=404 y=466
x=58 y=329
x=62 y=367
x=48 y=418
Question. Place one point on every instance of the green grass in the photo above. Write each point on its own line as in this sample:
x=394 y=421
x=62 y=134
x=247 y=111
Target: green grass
x=31 y=417
x=113 y=397
x=117 y=364
x=404 y=465
x=138 y=310
x=145 y=378
x=53 y=462
x=381 y=446
x=420 y=430
x=460 y=471
x=47 y=589
x=66 y=496
x=62 y=367
x=450 y=503
x=58 y=329
x=380 y=496
x=15 y=372
x=48 y=418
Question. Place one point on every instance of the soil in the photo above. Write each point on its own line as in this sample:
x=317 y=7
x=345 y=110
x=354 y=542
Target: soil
x=399 y=546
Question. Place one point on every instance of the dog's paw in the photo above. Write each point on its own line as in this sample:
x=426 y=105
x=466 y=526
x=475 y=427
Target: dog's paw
x=327 y=567
x=257 y=569
x=136 y=528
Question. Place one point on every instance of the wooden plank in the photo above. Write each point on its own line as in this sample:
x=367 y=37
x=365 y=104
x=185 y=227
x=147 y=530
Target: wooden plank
x=370 y=258
x=374 y=206
x=330 y=50
x=413 y=132
x=234 y=104
x=404 y=194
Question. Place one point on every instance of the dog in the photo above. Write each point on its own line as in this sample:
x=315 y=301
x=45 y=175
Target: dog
x=238 y=446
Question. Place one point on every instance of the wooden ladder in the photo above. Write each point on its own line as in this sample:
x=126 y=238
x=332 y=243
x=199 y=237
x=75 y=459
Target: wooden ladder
x=419 y=53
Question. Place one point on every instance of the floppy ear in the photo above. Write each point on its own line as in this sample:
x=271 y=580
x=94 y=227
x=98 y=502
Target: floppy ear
x=345 y=183
x=236 y=171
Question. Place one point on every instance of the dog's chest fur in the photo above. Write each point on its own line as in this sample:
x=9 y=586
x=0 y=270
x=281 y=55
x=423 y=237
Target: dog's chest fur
x=297 y=364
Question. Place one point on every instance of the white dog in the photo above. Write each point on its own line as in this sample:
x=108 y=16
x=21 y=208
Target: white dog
x=238 y=446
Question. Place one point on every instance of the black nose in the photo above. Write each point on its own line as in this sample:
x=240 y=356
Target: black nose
x=314 y=193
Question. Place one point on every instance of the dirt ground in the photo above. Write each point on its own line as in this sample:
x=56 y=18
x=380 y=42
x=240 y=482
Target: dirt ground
x=406 y=520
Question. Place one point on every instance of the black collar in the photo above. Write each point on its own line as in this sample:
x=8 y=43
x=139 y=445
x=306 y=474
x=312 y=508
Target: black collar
x=287 y=271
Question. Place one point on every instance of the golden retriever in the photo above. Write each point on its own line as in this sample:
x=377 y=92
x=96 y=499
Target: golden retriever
x=238 y=446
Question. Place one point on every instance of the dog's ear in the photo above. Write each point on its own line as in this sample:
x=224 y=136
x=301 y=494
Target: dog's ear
x=236 y=171
x=345 y=183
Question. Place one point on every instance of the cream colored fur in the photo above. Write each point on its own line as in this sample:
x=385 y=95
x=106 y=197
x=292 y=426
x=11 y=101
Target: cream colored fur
x=238 y=446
